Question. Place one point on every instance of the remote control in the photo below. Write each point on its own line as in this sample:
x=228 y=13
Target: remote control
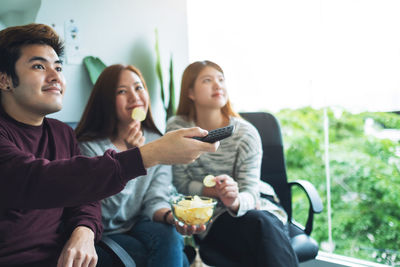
x=216 y=135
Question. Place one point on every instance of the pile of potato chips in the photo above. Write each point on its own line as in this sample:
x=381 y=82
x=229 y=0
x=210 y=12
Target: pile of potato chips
x=194 y=211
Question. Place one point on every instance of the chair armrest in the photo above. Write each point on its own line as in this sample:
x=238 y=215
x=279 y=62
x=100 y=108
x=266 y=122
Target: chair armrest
x=314 y=200
x=112 y=246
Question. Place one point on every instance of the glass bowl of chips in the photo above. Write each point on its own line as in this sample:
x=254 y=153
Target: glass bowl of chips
x=193 y=210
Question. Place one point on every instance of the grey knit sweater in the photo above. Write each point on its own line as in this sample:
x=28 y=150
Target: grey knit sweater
x=238 y=156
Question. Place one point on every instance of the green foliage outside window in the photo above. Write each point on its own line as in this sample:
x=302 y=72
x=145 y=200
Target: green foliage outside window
x=365 y=179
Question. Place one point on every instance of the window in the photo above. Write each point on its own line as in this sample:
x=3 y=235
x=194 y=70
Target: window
x=299 y=58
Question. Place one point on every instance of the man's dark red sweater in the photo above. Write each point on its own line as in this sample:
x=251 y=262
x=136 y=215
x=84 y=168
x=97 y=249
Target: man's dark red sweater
x=47 y=189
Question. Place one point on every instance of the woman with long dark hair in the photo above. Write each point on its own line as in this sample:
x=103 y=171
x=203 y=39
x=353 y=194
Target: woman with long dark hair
x=139 y=217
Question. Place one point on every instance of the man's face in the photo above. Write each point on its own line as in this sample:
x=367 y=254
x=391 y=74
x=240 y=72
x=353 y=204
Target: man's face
x=41 y=82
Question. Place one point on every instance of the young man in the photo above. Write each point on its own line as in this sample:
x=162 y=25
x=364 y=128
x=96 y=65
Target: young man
x=49 y=212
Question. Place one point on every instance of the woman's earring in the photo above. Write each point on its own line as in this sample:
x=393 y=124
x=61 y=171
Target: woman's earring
x=8 y=88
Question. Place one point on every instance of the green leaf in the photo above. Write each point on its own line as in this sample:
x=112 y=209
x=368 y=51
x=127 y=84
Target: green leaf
x=171 y=105
x=94 y=67
x=159 y=69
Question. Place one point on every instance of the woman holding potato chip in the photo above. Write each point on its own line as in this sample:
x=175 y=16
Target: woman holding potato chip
x=138 y=218
x=245 y=228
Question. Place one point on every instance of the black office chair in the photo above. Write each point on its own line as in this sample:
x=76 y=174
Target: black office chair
x=120 y=256
x=273 y=171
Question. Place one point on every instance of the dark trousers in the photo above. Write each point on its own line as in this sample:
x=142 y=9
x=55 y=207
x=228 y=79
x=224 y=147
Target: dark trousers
x=106 y=258
x=257 y=239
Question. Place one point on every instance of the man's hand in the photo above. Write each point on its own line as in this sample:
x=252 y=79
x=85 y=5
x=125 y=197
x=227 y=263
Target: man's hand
x=176 y=147
x=79 y=251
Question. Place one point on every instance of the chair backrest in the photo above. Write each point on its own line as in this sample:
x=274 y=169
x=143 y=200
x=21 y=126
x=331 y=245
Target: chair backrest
x=72 y=124
x=273 y=169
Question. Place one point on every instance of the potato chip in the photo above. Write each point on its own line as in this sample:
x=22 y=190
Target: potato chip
x=209 y=181
x=138 y=114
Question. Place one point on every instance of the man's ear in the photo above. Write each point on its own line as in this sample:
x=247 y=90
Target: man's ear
x=5 y=82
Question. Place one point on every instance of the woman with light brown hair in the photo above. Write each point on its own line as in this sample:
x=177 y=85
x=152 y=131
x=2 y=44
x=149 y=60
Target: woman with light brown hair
x=246 y=229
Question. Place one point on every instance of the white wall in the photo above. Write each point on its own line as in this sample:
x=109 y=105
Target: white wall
x=18 y=12
x=120 y=32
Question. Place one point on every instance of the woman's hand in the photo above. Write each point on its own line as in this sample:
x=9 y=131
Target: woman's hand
x=79 y=251
x=227 y=191
x=135 y=136
x=185 y=229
